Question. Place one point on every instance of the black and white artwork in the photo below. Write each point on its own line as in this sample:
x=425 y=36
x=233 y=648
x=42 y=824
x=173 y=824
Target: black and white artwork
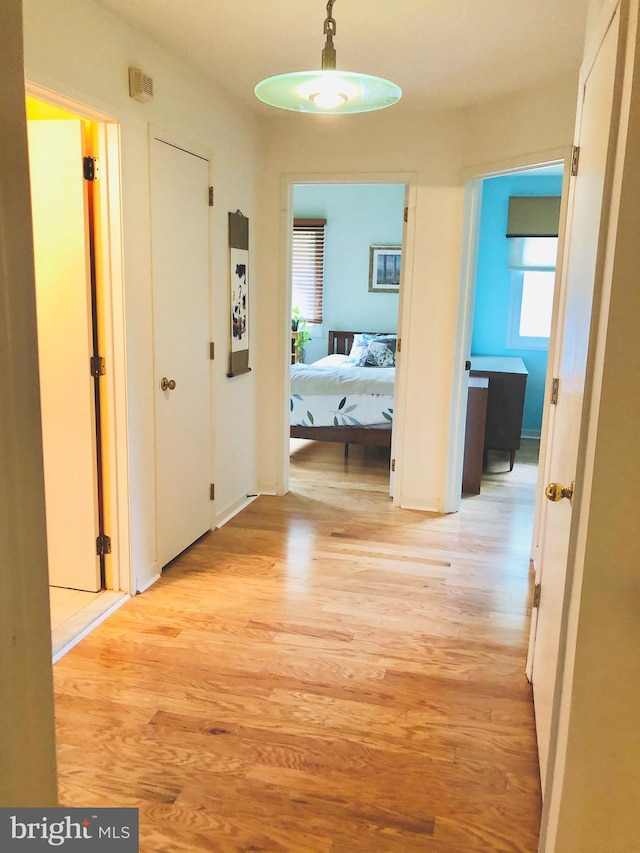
x=239 y=286
x=239 y=299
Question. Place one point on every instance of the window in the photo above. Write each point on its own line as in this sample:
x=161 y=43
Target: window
x=307 y=268
x=532 y=261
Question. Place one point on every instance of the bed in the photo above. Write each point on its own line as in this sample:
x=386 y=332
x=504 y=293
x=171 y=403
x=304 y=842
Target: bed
x=346 y=397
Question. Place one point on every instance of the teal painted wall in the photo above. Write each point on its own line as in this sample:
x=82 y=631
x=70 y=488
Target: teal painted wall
x=358 y=216
x=493 y=285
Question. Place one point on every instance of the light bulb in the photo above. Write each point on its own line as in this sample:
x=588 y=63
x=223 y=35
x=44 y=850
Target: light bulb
x=328 y=100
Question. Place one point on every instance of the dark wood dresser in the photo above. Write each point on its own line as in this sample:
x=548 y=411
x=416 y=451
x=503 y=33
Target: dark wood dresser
x=474 y=435
x=507 y=384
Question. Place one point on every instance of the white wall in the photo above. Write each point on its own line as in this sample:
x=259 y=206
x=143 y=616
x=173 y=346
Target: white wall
x=436 y=147
x=367 y=144
x=358 y=216
x=27 y=749
x=78 y=49
x=532 y=121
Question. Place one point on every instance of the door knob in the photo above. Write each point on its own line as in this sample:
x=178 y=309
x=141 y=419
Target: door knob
x=556 y=491
x=167 y=384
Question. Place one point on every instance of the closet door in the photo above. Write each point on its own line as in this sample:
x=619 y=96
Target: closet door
x=180 y=257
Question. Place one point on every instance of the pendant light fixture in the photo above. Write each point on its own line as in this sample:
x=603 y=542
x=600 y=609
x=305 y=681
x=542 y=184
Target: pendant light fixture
x=328 y=90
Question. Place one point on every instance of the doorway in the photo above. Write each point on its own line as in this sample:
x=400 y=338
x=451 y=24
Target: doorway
x=75 y=209
x=492 y=317
x=514 y=285
x=508 y=304
x=332 y=290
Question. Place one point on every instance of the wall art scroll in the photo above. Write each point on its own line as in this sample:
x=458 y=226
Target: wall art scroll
x=239 y=279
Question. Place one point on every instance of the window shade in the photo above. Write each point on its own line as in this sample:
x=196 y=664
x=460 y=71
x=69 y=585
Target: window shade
x=307 y=268
x=533 y=216
x=533 y=253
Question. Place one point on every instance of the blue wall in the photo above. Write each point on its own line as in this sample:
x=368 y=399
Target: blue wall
x=358 y=216
x=493 y=285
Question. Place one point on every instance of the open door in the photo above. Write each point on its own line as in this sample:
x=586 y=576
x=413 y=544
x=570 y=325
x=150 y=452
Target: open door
x=587 y=218
x=65 y=347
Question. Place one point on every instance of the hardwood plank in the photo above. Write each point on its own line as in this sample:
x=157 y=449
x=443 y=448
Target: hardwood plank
x=325 y=673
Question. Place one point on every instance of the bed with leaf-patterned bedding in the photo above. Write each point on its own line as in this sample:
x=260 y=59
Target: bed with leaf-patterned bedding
x=348 y=395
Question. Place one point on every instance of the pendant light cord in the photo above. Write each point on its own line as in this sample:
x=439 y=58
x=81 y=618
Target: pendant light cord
x=329 y=52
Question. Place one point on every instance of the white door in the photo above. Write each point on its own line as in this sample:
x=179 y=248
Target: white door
x=582 y=255
x=63 y=295
x=180 y=258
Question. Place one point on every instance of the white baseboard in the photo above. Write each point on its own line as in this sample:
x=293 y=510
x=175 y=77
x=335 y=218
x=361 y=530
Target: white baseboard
x=145 y=583
x=530 y=433
x=229 y=513
x=414 y=502
x=93 y=622
x=270 y=489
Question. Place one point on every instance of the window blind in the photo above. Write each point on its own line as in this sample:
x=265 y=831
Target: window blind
x=307 y=268
x=533 y=216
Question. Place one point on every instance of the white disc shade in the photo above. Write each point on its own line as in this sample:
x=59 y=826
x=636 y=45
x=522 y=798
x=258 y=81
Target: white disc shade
x=328 y=91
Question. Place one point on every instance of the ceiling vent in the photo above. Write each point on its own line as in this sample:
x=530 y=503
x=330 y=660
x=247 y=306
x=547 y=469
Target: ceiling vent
x=140 y=85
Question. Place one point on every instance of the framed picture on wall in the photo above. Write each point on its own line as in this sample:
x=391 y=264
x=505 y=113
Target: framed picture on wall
x=384 y=269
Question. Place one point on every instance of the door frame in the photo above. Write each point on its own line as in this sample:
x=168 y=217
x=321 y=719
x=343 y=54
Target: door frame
x=287 y=183
x=114 y=414
x=473 y=178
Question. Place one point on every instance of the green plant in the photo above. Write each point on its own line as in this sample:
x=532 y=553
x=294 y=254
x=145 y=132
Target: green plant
x=303 y=335
x=296 y=317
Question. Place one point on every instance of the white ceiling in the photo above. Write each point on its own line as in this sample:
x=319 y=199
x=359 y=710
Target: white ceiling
x=440 y=52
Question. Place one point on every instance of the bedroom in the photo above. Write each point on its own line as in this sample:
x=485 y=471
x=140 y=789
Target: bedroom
x=358 y=218
x=498 y=287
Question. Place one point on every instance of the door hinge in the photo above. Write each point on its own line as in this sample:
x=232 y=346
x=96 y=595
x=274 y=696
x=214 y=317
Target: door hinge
x=210 y=196
x=575 y=158
x=399 y=345
x=536 y=595
x=406 y=214
x=212 y=350
x=212 y=492
x=555 y=384
x=103 y=545
x=90 y=168
x=97 y=365
x=393 y=464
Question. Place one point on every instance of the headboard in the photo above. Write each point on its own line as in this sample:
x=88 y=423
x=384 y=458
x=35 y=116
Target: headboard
x=341 y=342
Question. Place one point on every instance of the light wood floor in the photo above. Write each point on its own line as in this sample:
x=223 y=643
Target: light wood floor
x=324 y=673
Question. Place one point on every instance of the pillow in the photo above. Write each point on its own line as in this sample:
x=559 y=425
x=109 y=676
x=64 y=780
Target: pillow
x=371 y=350
x=359 y=350
x=381 y=354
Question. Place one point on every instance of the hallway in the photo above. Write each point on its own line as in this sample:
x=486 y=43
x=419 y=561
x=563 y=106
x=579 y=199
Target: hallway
x=324 y=673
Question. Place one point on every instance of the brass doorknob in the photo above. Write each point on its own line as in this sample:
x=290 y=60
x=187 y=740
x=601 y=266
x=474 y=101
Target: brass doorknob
x=167 y=384
x=556 y=491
